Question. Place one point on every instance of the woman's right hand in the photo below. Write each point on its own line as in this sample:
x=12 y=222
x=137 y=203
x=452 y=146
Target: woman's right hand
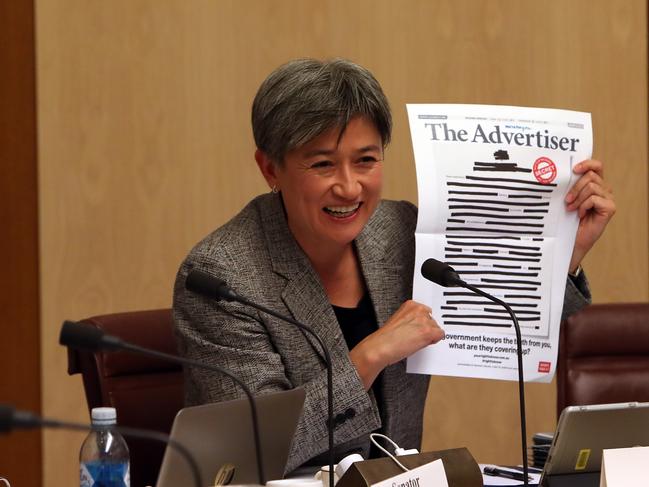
x=408 y=330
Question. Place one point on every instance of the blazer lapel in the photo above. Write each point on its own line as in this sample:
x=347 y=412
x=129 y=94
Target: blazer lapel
x=305 y=297
x=381 y=273
x=304 y=294
x=384 y=279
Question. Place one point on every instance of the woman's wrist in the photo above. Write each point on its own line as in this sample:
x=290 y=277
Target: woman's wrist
x=367 y=363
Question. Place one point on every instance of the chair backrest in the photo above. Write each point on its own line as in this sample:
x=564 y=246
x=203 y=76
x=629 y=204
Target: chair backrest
x=146 y=392
x=604 y=355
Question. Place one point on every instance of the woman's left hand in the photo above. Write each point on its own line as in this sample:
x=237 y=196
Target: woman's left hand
x=592 y=198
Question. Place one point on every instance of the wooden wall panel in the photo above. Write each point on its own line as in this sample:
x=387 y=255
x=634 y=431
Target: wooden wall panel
x=20 y=365
x=145 y=146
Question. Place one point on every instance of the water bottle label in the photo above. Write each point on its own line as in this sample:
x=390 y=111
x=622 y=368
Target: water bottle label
x=105 y=474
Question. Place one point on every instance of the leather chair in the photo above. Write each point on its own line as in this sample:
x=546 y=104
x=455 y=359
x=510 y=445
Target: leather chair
x=604 y=355
x=146 y=392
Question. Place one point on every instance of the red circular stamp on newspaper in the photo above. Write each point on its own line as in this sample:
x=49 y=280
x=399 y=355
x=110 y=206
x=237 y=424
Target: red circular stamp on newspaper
x=544 y=170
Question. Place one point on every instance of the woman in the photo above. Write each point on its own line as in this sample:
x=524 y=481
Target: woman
x=324 y=248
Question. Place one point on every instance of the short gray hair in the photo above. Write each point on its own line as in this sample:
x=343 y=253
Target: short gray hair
x=304 y=98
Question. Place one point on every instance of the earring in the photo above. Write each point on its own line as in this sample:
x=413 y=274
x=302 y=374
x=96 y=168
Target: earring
x=274 y=189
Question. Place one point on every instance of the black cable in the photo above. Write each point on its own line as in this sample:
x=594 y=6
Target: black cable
x=25 y=420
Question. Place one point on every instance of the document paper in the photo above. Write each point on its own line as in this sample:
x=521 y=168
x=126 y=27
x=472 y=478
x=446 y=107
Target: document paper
x=492 y=182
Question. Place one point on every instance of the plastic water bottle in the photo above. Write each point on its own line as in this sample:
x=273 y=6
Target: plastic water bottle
x=104 y=460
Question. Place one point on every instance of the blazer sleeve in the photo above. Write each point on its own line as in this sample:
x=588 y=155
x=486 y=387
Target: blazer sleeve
x=235 y=337
x=577 y=295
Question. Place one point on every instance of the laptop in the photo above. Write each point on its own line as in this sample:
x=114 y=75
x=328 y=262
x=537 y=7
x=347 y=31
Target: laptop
x=575 y=456
x=221 y=433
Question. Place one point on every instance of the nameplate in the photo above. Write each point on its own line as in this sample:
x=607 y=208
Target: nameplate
x=625 y=467
x=430 y=475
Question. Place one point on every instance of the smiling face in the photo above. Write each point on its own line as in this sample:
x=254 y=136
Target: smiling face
x=330 y=185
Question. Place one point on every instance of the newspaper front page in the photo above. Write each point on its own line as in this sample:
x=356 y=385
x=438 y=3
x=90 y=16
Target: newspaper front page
x=492 y=182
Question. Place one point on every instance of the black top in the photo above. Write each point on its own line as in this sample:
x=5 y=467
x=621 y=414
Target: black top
x=356 y=323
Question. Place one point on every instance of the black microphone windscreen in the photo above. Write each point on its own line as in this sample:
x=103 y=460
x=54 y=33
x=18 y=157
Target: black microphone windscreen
x=11 y=419
x=202 y=283
x=6 y=418
x=440 y=273
x=82 y=337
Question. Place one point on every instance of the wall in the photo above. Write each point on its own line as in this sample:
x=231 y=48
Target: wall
x=145 y=146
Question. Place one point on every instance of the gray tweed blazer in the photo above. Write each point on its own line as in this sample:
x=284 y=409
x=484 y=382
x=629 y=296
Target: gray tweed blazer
x=256 y=254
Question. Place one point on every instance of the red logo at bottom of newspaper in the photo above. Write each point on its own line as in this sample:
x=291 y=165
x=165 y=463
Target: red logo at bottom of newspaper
x=544 y=170
x=544 y=367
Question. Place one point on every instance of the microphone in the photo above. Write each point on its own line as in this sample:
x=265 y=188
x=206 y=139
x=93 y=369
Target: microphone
x=86 y=337
x=444 y=275
x=202 y=283
x=11 y=419
x=440 y=273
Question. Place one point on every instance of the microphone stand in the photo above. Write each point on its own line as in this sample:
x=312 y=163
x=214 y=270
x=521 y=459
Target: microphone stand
x=444 y=275
x=519 y=356
x=212 y=287
x=25 y=420
x=115 y=343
